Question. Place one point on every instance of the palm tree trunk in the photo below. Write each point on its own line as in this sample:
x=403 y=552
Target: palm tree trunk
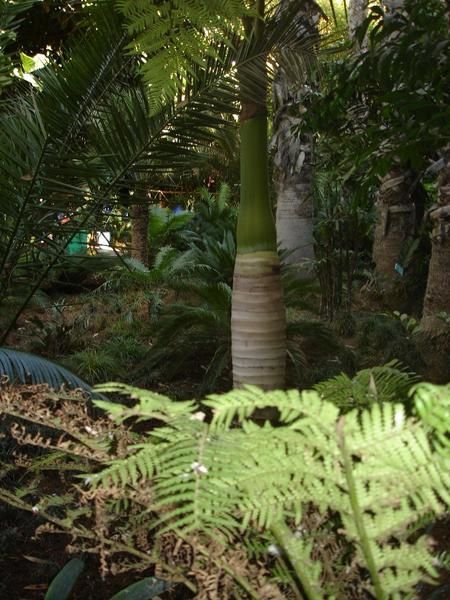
x=139 y=233
x=295 y=211
x=437 y=295
x=357 y=12
x=435 y=338
x=258 y=319
x=395 y=224
x=293 y=159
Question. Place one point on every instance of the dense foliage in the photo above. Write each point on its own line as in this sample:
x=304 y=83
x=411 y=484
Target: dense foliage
x=390 y=101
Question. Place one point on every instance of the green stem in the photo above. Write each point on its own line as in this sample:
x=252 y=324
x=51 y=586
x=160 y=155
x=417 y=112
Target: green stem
x=358 y=514
x=286 y=540
x=333 y=12
x=256 y=227
x=292 y=583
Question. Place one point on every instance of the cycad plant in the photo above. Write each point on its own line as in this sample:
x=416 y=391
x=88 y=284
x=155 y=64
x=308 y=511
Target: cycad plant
x=23 y=368
x=72 y=145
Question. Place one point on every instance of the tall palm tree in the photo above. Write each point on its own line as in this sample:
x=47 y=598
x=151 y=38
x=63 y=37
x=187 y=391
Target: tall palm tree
x=258 y=320
x=161 y=30
x=396 y=222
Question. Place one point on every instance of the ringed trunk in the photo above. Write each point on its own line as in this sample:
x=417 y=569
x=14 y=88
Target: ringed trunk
x=258 y=319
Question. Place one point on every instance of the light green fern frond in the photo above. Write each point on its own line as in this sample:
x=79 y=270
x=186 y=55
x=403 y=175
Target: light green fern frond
x=150 y=404
x=375 y=468
x=432 y=403
x=175 y=36
x=388 y=383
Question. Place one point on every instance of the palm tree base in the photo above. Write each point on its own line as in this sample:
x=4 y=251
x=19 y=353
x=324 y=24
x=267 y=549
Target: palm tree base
x=258 y=321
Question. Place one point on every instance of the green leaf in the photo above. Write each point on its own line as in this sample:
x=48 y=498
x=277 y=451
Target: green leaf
x=33 y=63
x=62 y=585
x=27 y=62
x=143 y=590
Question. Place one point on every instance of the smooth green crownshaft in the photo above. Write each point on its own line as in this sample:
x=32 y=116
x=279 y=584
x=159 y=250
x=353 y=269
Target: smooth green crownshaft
x=256 y=227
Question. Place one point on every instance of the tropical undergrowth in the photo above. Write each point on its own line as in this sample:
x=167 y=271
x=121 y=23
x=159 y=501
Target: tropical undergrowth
x=193 y=332
x=151 y=326
x=323 y=502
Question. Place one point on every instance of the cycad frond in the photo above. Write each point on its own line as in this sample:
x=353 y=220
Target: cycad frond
x=22 y=367
x=70 y=150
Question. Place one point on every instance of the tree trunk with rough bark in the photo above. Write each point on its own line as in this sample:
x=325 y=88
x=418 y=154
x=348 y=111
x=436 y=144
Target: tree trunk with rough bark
x=357 y=12
x=395 y=225
x=436 y=331
x=435 y=338
x=437 y=295
x=396 y=222
x=294 y=156
x=139 y=233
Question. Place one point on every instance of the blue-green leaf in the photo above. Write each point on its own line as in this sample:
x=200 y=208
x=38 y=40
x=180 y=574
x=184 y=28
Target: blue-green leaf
x=143 y=590
x=62 y=585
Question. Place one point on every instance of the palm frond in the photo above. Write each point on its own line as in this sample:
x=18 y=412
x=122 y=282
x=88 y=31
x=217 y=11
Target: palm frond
x=71 y=150
x=22 y=367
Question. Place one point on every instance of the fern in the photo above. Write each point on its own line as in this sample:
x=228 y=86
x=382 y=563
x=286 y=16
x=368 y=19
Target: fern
x=176 y=36
x=389 y=383
x=375 y=468
x=212 y=475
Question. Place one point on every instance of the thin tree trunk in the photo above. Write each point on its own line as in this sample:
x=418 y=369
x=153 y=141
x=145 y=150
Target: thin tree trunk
x=293 y=157
x=436 y=331
x=258 y=320
x=139 y=233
